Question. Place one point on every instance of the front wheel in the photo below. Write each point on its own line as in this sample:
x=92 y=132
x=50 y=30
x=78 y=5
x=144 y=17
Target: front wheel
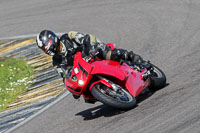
x=117 y=98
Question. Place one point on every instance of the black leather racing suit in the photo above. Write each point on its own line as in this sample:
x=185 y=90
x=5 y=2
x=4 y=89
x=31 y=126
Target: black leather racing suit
x=72 y=42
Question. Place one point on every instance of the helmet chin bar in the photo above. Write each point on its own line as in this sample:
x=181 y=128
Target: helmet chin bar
x=50 y=53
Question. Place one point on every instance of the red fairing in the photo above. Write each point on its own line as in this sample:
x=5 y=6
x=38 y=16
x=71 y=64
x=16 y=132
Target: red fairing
x=108 y=67
x=135 y=85
x=79 y=66
x=130 y=77
x=101 y=81
x=83 y=73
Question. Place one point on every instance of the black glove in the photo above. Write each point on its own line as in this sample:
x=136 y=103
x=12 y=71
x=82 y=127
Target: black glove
x=80 y=48
x=93 y=52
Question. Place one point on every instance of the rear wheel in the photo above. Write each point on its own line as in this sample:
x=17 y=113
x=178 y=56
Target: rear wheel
x=116 y=97
x=158 y=79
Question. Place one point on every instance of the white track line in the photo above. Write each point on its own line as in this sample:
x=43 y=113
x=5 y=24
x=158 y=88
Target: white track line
x=39 y=112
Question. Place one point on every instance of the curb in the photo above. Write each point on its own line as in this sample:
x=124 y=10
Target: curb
x=24 y=36
x=46 y=90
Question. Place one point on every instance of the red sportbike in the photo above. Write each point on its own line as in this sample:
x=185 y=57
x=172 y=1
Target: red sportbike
x=116 y=84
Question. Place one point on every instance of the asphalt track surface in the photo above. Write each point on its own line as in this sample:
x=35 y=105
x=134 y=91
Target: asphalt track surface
x=167 y=32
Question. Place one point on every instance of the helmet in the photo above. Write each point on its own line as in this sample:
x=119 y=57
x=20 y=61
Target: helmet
x=48 y=42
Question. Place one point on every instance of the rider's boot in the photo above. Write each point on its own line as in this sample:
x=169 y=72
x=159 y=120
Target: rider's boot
x=135 y=59
x=121 y=54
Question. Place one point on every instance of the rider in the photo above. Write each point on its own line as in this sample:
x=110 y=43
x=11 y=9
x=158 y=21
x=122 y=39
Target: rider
x=64 y=48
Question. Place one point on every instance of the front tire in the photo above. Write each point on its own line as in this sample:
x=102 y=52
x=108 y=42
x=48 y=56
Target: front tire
x=120 y=99
x=157 y=78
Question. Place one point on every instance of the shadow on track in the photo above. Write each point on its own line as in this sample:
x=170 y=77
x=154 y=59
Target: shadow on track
x=99 y=111
x=147 y=93
x=107 y=111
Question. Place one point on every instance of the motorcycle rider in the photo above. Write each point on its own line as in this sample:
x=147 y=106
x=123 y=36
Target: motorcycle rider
x=64 y=48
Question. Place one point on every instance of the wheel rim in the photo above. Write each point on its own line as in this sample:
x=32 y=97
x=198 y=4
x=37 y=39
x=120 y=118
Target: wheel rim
x=156 y=73
x=119 y=94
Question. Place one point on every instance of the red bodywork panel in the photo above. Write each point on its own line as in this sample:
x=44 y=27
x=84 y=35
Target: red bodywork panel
x=101 y=81
x=108 y=67
x=82 y=70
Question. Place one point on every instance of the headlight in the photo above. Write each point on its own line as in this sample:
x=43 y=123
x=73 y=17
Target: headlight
x=80 y=82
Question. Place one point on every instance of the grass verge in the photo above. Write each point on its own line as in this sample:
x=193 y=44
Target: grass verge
x=14 y=78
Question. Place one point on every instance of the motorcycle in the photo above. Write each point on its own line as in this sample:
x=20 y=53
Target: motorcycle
x=116 y=84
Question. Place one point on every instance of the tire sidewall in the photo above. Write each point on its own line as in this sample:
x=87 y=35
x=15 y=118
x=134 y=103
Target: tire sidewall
x=111 y=101
x=157 y=82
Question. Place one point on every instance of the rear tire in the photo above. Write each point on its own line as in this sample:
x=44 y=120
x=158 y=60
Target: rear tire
x=158 y=79
x=126 y=101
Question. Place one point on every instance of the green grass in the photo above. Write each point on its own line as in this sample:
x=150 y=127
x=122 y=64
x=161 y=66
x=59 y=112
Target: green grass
x=14 y=78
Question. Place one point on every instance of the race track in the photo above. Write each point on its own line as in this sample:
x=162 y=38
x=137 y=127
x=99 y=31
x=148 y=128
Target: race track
x=167 y=32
